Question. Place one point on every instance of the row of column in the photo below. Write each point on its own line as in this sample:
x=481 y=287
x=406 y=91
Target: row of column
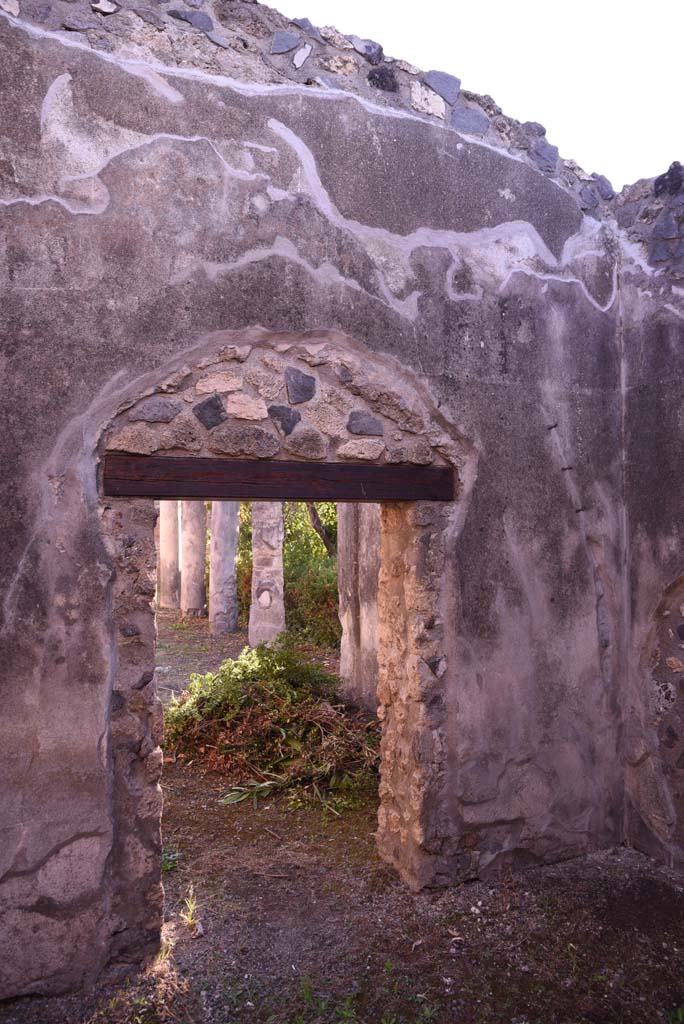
x=182 y=565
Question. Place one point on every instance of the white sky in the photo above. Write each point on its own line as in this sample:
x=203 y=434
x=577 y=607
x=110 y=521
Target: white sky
x=605 y=78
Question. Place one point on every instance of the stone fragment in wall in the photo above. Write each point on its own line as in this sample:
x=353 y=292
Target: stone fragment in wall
x=219 y=40
x=284 y=41
x=469 y=120
x=330 y=34
x=446 y=86
x=367 y=48
x=362 y=422
x=417 y=452
x=578 y=171
x=10 y=7
x=210 y=412
x=302 y=55
x=104 y=7
x=307 y=442
x=364 y=449
x=588 y=198
x=388 y=403
x=244 y=439
x=155 y=410
x=285 y=418
x=39 y=12
x=79 y=21
x=603 y=186
x=306 y=25
x=198 y=19
x=137 y=440
x=671 y=181
x=383 y=78
x=150 y=17
x=142 y=440
x=175 y=381
x=314 y=355
x=544 y=155
x=426 y=101
x=300 y=386
x=666 y=226
x=181 y=433
x=268 y=386
x=237 y=352
x=675 y=664
x=244 y=407
x=339 y=64
x=327 y=419
x=403 y=65
x=221 y=382
x=344 y=374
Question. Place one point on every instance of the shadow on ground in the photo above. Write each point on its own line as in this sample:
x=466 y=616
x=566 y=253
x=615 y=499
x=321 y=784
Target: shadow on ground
x=284 y=914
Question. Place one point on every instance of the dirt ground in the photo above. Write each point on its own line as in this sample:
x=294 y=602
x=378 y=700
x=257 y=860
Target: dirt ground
x=184 y=646
x=301 y=923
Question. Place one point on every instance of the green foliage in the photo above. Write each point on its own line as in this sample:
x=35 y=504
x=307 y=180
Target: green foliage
x=311 y=596
x=268 y=720
x=170 y=859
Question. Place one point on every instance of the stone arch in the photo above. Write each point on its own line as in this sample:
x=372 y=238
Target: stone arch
x=317 y=397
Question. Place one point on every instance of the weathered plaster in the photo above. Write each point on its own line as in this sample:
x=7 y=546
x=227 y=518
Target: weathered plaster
x=147 y=206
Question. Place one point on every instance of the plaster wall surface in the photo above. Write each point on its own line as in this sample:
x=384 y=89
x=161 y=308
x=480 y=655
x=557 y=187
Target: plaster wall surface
x=144 y=207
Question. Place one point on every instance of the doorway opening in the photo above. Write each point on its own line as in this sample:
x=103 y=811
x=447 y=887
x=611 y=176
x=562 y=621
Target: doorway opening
x=269 y=419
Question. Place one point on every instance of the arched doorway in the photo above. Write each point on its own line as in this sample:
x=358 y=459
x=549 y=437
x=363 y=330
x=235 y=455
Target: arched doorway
x=257 y=415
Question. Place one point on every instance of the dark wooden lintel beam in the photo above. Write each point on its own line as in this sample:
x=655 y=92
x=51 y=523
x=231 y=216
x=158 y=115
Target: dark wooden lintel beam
x=156 y=476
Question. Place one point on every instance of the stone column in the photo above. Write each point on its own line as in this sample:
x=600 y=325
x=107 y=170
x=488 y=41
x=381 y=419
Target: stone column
x=267 y=609
x=169 y=569
x=193 y=550
x=358 y=564
x=223 y=603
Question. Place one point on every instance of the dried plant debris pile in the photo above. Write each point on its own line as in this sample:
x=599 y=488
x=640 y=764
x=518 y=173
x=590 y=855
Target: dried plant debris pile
x=270 y=720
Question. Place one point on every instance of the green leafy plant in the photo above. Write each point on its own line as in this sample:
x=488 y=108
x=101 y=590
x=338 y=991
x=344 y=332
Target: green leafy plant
x=270 y=720
x=190 y=913
x=170 y=859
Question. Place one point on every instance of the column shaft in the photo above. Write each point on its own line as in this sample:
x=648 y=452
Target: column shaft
x=193 y=550
x=267 y=609
x=223 y=605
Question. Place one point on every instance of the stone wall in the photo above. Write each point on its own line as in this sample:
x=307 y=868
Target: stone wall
x=164 y=177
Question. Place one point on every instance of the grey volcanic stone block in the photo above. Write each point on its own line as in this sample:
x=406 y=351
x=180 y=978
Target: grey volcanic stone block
x=218 y=40
x=198 y=19
x=150 y=17
x=666 y=226
x=544 y=155
x=383 y=78
x=210 y=412
x=306 y=25
x=469 y=120
x=588 y=198
x=367 y=48
x=79 y=21
x=603 y=186
x=300 y=386
x=671 y=181
x=446 y=86
x=156 y=410
x=284 y=41
x=284 y=417
x=361 y=422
